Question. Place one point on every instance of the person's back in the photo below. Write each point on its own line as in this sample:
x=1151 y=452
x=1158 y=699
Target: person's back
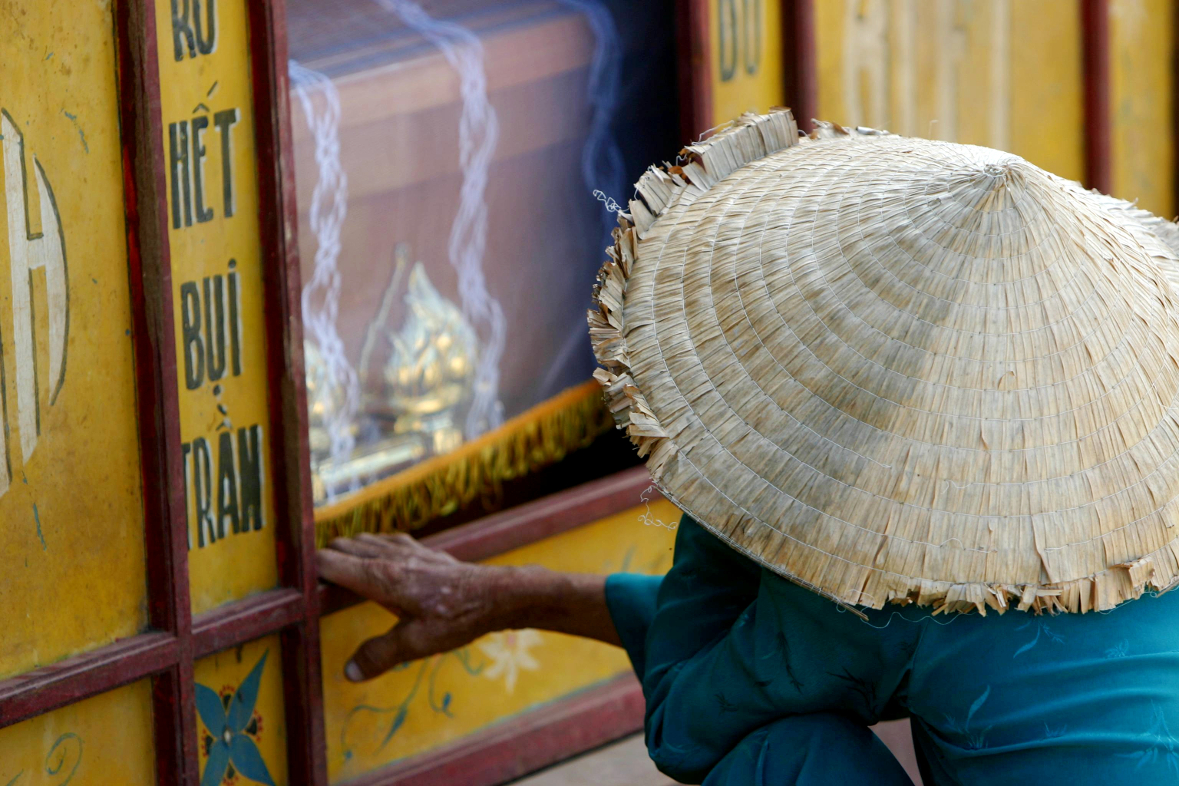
x=1067 y=698
x=786 y=692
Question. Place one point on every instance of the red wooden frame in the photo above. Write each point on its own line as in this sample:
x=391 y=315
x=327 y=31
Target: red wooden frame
x=798 y=58
x=166 y=652
x=553 y=732
x=695 y=78
x=1095 y=73
x=695 y=83
x=528 y=523
x=525 y=743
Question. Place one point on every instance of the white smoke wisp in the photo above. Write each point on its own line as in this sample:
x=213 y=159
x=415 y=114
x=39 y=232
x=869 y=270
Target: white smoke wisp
x=478 y=134
x=321 y=295
x=602 y=165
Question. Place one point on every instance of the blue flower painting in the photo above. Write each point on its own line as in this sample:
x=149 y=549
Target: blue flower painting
x=232 y=726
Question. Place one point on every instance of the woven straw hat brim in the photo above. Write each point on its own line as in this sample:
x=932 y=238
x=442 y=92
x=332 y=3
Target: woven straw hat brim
x=898 y=370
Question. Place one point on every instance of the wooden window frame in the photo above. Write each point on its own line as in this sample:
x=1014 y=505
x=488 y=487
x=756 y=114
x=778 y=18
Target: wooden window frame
x=166 y=653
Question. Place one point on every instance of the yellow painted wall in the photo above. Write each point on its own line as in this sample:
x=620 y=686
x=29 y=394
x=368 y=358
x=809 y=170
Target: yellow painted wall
x=71 y=517
x=1001 y=73
x=104 y=739
x=195 y=88
x=225 y=679
x=1141 y=48
x=430 y=702
x=745 y=56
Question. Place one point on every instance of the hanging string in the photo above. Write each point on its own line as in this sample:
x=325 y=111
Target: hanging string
x=478 y=133
x=321 y=295
x=646 y=517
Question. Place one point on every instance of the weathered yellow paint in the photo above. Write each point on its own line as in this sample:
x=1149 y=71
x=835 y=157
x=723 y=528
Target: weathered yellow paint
x=104 y=739
x=1141 y=83
x=223 y=673
x=745 y=56
x=71 y=516
x=1003 y=73
x=197 y=88
x=434 y=701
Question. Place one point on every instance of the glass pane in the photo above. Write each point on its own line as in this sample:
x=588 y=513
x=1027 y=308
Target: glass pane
x=217 y=297
x=430 y=702
x=71 y=514
x=241 y=725
x=447 y=155
x=104 y=739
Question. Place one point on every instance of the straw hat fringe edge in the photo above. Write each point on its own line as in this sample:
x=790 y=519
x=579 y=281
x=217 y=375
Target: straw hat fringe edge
x=702 y=165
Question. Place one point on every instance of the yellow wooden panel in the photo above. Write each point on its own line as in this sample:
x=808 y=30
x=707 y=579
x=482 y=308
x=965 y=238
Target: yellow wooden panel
x=1141 y=48
x=71 y=533
x=745 y=56
x=217 y=297
x=241 y=724
x=1004 y=74
x=436 y=700
x=104 y=739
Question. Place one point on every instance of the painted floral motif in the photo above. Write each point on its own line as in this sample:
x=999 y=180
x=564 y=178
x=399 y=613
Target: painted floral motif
x=1119 y=650
x=369 y=728
x=975 y=739
x=399 y=712
x=232 y=731
x=1041 y=629
x=509 y=655
x=63 y=759
x=1165 y=749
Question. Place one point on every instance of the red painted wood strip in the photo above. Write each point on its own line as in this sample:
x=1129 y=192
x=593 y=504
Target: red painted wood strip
x=1174 y=114
x=525 y=743
x=295 y=536
x=88 y=674
x=526 y=524
x=801 y=77
x=692 y=66
x=245 y=620
x=149 y=260
x=1098 y=117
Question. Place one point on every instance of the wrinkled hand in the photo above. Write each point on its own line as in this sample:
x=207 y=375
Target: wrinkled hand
x=441 y=603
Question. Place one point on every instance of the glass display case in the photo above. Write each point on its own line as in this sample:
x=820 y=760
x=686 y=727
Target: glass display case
x=459 y=168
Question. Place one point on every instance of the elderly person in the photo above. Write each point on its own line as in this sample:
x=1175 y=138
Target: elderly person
x=920 y=401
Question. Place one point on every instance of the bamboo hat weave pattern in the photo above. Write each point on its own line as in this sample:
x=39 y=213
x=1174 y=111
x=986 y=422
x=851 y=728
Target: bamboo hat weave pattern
x=899 y=370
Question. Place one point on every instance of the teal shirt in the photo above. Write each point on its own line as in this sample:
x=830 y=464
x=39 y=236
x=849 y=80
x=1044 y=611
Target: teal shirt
x=751 y=680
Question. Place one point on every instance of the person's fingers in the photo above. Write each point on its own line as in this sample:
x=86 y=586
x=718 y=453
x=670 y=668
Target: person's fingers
x=403 y=545
x=360 y=548
x=404 y=642
x=383 y=545
x=351 y=572
x=398 y=538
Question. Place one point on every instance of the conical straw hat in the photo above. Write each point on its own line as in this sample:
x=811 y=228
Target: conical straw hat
x=892 y=369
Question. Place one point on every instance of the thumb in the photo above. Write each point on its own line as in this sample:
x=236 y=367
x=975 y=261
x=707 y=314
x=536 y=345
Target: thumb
x=404 y=642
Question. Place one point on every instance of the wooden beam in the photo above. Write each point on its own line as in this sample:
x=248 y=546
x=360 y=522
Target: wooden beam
x=245 y=620
x=692 y=67
x=153 y=337
x=1098 y=117
x=525 y=743
x=295 y=529
x=798 y=59
x=97 y=671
